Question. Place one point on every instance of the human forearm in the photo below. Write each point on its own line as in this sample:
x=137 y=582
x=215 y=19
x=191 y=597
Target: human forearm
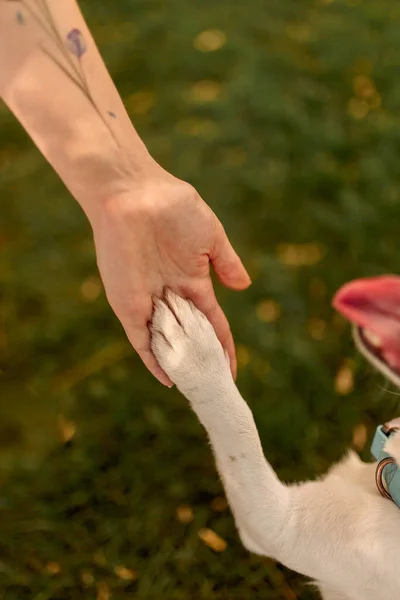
x=150 y=229
x=53 y=79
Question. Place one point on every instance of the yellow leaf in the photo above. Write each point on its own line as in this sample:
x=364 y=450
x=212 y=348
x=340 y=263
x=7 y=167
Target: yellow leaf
x=91 y=288
x=317 y=329
x=212 y=540
x=124 y=573
x=363 y=86
x=357 y=108
x=198 y=127
x=184 y=514
x=209 y=40
x=299 y=255
x=360 y=436
x=268 y=311
x=53 y=568
x=242 y=356
x=141 y=102
x=344 y=380
x=67 y=429
x=219 y=504
x=205 y=91
x=374 y=101
x=103 y=592
x=99 y=559
x=87 y=578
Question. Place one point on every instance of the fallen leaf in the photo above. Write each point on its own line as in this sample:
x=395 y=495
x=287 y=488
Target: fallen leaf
x=184 y=514
x=360 y=436
x=299 y=255
x=317 y=329
x=124 y=573
x=209 y=40
x=66 y=428
x=99 y=559
x=242 y=355
x=53 y=568
x=344 y=380
x=91 y=288
x=212 y=540
x=219 y=504
x=87 y=578
x=268 y=311
x=103 y=591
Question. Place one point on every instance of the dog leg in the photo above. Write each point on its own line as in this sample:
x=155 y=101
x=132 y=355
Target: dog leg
x=323 y=529
x=187 y=348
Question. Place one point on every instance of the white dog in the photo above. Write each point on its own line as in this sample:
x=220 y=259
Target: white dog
x=338 y=530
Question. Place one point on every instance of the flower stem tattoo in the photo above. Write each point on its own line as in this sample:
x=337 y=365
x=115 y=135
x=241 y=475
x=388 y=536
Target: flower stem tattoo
x=67 y=52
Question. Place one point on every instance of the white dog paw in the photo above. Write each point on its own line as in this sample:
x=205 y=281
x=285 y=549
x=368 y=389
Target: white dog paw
x=185 y=345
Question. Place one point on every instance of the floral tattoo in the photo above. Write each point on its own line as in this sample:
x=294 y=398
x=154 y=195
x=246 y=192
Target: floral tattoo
x=67 y=52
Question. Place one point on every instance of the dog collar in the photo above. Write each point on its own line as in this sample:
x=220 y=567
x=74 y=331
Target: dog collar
x=387 y=471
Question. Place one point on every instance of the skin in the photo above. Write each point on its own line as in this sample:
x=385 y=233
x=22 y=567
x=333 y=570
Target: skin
x=169 y=239
x=150 y=229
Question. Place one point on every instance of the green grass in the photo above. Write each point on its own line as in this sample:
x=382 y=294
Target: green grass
x=297 y=152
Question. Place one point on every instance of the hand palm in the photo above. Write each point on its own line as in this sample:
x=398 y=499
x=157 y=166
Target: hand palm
x=171 y=243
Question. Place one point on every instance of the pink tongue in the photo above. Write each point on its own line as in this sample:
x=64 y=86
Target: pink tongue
x=374 y=304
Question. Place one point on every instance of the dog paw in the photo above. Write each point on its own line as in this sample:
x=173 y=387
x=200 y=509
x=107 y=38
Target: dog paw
x=185 y=345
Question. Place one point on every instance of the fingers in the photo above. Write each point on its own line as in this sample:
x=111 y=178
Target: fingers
x=151 y=363
x=226 y=263
x=137 y=329
x=205 y=300
x=139 y=336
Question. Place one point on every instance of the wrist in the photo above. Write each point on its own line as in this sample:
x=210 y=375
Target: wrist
x=136 y=194
x=152 y=195
x=105 y=179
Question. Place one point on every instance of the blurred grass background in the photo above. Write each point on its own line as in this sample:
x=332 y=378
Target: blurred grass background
x=285 y=116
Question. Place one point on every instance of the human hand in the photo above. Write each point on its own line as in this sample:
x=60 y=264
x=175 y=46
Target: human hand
x=163 y=234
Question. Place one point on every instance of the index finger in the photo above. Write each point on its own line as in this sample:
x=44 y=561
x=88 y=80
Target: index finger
x=136 y=329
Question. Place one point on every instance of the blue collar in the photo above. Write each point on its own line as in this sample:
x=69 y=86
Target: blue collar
x=387 y=471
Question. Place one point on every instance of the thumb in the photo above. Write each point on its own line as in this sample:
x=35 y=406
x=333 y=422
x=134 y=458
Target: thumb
x=227 y=265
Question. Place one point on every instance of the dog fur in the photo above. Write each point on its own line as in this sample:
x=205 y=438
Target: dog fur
x=337 y=530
